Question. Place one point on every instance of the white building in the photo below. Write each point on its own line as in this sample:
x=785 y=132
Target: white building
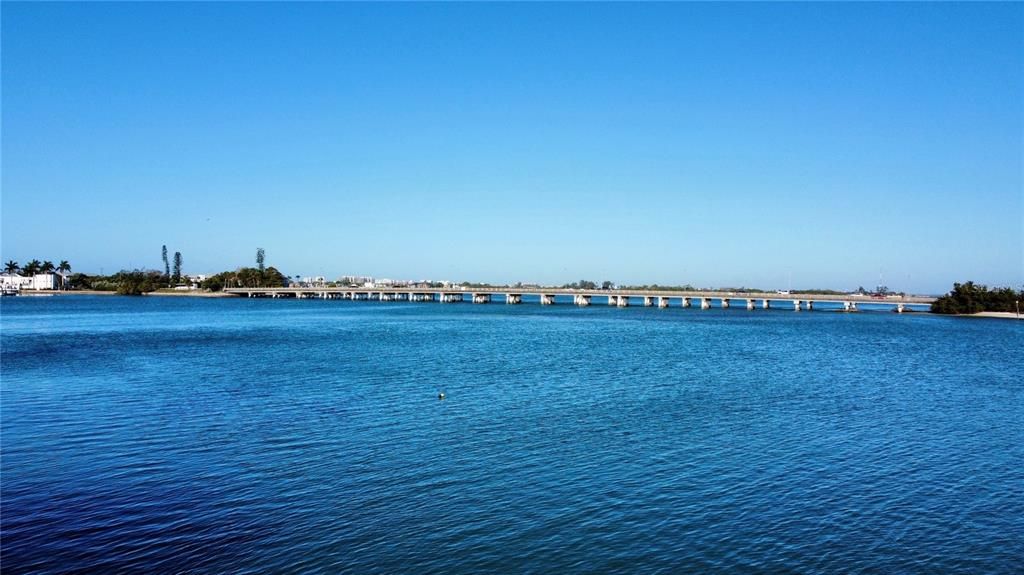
x=46 y=281
x=15 y=282
x=356 y=281
x=37 y=282
x=193 y=282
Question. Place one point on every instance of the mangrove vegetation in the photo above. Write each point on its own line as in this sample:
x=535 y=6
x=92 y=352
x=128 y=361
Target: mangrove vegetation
x=974 y=298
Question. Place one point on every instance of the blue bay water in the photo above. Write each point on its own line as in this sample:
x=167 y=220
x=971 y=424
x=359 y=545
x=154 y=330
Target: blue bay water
x=235 y=435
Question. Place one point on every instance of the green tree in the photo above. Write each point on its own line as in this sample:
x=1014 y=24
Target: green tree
x=214 y=282
x=967 y=298
x=137 y=282
x=32 y=268
x=273 y=278
x=246 y=277
x=582 y=284
x=167 y=264
x=64 y=268
x=47 y=267
x=607 y=284
x=81 y=281
x=176 y=273
x=11 y=267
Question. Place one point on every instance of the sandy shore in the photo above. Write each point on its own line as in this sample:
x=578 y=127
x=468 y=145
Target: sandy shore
x=999 y=314
x=30 y=293
x=191 y=293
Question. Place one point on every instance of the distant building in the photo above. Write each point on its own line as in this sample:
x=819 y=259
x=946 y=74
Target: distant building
x=48 y=281
x=356 y=280
x=370 y=282
x=194 y=281
x=15 y=282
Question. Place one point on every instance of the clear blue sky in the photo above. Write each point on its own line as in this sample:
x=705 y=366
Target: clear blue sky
x=735 y=144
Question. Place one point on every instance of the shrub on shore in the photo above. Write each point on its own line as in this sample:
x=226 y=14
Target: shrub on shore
x=138 y=282
x=246 y=277
x=972 y=298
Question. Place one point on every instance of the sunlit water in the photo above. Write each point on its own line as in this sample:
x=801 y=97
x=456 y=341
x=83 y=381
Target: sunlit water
x=184 y=434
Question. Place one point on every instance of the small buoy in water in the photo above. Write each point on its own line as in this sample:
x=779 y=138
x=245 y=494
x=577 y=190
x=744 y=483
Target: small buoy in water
x=440 y=396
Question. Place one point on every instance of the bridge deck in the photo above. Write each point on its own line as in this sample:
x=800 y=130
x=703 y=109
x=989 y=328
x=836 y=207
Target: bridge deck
x=532 y=291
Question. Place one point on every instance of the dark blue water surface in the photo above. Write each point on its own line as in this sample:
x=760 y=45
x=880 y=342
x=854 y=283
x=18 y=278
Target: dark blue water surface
x=236 y=435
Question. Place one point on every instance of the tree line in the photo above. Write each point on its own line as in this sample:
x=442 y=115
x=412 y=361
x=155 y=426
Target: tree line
x=36 y=267
x=259 y=276
x=140 y=281
x=974 y=298
x=587 y=284
x=246 y=277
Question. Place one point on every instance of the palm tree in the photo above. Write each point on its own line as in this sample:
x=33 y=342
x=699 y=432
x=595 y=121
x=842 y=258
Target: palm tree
x=47 y=267
x=31 y=268
x=64 y=268
x=11 y=267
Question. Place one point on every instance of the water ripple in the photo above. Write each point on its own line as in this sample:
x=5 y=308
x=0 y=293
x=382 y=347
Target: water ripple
x=250 y=436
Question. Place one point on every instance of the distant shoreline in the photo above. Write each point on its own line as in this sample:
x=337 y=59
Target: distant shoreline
x=209 y=294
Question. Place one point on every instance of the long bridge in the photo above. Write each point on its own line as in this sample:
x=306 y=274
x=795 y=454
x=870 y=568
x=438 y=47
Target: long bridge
x=582 y=297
